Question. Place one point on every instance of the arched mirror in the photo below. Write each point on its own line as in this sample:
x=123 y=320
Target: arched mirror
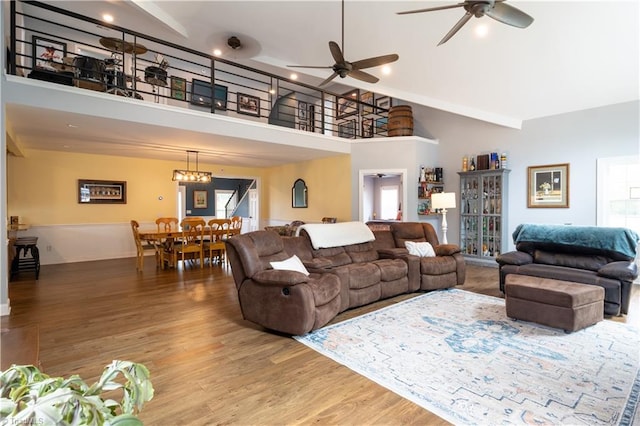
x=299 y=194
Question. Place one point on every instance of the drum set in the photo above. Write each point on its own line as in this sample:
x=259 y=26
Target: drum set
x=108 y=75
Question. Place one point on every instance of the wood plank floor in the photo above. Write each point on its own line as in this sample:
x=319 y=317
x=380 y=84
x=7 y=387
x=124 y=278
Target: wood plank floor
x=208 y=365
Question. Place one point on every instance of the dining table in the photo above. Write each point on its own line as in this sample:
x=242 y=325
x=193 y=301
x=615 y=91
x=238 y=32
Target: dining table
x=161 y=238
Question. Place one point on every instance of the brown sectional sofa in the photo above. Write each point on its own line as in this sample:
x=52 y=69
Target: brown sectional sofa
x=340 y=278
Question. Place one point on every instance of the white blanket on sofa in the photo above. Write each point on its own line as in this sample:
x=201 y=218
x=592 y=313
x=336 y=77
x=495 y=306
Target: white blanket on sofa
x=324 y=235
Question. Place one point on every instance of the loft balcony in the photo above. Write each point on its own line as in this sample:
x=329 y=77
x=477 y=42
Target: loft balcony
x=66 y=67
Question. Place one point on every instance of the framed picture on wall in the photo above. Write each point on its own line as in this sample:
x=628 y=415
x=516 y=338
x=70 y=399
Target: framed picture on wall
x=347 y=104
x=548 y=186
x=248 y=104
x=102 y=191
x=199 y=199
x=46 y=52
x=178 y=88
x=367 y=102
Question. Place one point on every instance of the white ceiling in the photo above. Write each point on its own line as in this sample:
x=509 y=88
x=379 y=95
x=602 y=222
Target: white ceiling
x=576 y=55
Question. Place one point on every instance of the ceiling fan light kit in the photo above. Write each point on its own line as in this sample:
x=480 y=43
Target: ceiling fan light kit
x=344 y=68
x=495 y=9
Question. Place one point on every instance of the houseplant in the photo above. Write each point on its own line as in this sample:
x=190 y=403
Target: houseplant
x=28 y=396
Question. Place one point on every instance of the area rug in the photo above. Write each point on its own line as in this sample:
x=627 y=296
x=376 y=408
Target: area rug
x=456 y=354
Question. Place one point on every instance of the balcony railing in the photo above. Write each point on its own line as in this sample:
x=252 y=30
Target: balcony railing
x=63 y=47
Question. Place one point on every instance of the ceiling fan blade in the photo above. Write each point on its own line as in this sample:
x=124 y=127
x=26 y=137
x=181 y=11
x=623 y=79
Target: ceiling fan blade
x=361 y=75
x=309 y=66
x=334 y=75
x=456 y=27
x=509 y=15
x=431 y=9
x=336 y=52
x=374 y=62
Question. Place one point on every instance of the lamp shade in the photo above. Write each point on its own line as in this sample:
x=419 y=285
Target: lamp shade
x=443 y=200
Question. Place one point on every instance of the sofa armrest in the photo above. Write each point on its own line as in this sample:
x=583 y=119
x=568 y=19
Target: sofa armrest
x=392 y=253
x=446 y=249
x=622 y=270
x=514 y=258
x=317 y=263
x=280 y=277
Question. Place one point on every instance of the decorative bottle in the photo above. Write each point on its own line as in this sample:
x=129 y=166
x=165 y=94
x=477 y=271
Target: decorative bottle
x=465 y=164
x=472 y=167
x=503 y=160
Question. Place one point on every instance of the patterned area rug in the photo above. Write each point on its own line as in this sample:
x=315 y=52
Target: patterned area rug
x=456 y=354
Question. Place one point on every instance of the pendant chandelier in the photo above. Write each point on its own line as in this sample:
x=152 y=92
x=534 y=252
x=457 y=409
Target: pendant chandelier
x=191 y=175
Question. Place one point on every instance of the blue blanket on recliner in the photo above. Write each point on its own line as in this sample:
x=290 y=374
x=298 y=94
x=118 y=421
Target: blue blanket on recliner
x=621 y=240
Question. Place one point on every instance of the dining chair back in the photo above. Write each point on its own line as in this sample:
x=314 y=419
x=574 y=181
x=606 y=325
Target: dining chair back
x=219 y=231
x=236 y=226
x=192 y=241
x=167 y=224
x=140 y=246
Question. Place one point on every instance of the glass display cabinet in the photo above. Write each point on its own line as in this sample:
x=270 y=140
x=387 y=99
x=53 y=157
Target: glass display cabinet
x=483 y=217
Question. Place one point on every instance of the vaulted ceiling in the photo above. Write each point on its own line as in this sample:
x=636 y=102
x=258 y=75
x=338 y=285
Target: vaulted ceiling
x=575 y=55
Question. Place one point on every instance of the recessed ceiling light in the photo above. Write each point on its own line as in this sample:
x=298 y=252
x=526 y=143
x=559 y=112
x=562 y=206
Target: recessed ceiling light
x=107 y=18
x=386 y=70
x=482 y=30
x=217 y=52
x=272 y=91
x=294 y=76
x=72 y=126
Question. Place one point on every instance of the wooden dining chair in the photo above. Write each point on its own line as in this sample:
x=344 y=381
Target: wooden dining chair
x=167 y=224
x=192 y=241
x=236 y=226
x=141 y=247
x=219 y=232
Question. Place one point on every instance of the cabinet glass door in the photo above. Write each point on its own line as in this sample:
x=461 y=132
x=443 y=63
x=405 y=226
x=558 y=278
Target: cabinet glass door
x=469 y=212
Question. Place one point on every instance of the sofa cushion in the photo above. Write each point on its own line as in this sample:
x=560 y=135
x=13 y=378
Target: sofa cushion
x=407 y=231
x=578 y=261
x=439 y=265
x=421 y=249
x=391 y=269
x=360 y=253
x=362 y=275
x=291 y=264
x=336 y=255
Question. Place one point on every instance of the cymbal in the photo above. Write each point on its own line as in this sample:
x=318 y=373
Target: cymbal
x=118 y=45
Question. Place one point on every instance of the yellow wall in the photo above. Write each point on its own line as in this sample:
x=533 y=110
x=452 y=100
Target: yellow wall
x=329 y=190
x=42 y=188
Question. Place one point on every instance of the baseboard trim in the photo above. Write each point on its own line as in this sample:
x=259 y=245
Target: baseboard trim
x=5 y=308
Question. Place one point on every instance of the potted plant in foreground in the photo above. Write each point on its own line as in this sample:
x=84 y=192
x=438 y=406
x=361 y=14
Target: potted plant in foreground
x=28 y=396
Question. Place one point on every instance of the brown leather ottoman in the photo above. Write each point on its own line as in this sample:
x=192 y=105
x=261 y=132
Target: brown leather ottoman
x=560 y=304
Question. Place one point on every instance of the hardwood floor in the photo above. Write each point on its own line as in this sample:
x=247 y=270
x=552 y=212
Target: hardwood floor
x=208 y=365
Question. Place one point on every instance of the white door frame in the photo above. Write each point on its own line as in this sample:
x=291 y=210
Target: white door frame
x=373 y=172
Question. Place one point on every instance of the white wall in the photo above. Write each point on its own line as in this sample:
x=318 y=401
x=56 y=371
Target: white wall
x=577 y=138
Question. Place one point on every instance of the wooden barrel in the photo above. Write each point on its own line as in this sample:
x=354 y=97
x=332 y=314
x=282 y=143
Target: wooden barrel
x=400 y=121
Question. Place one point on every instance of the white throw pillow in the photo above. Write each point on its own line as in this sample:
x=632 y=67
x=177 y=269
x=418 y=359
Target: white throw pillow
x=420 y=249
x=291 y=264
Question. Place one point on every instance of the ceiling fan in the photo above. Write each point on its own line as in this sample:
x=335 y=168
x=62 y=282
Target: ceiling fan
x=495 y=9
x=345 y=68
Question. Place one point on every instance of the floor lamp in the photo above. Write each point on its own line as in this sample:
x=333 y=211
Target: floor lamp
x=443 y=201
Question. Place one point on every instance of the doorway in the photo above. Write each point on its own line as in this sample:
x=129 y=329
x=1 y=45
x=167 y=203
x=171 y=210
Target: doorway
x=382 y=194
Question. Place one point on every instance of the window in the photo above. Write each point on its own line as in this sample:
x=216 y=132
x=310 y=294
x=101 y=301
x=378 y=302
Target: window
x=223 y=196
x=389 y=202
x=619 y=192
